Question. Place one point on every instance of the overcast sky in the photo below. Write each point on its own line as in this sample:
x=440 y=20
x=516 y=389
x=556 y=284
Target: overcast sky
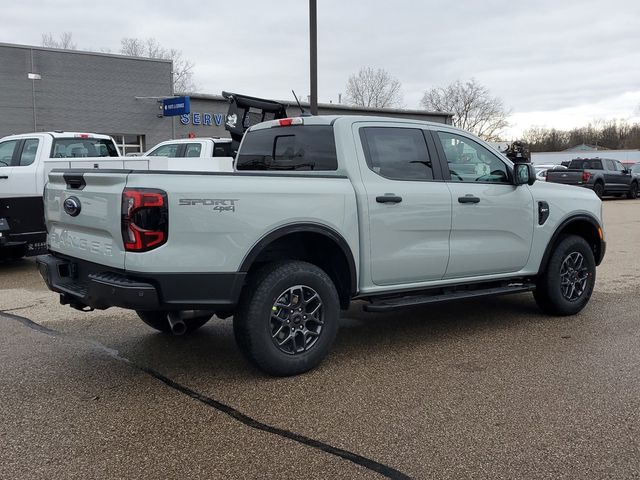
x=554 y=63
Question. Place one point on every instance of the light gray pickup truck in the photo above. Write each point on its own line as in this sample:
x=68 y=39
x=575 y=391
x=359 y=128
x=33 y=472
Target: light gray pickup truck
x=320 y=211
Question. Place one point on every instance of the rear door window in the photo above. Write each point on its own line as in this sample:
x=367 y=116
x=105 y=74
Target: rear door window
x=304 y=148
x=29 y=149
x=192 y=150
x=397 y=153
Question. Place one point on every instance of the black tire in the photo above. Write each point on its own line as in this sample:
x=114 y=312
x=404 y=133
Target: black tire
x=158 y=320
x=272 y=289
x=633 y=191
x=551 y=293
x=598 y=188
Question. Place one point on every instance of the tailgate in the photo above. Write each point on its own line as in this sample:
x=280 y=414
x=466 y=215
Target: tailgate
x=568 y=177
x=82 y=212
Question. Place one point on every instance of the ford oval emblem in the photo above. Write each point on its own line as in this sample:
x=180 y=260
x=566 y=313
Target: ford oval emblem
x=72 y=206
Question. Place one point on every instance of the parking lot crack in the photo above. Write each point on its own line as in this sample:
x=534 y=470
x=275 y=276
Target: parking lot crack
x=228 y=410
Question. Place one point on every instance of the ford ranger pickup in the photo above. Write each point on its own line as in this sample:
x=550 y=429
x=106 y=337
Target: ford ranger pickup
x=319 y=212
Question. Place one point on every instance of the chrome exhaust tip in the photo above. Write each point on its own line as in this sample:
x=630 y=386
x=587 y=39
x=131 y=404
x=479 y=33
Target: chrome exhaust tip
x=177 y=325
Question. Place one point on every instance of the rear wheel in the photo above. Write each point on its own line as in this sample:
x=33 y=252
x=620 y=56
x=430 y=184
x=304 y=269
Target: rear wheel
x=287 y=318
x=159 y=321
x=598 y=188
x=567 y=283
x=633 y=191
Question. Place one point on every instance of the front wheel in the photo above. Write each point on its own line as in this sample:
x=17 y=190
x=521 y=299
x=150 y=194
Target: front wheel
x=633 y=191
x=287 y=318
x=566 y=285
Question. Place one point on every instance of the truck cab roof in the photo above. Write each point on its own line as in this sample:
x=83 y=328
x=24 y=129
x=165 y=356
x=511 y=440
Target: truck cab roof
x=198 y=139
x=60 y=134
x=332 y=119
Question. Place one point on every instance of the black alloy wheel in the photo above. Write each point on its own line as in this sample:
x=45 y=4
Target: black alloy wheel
x=574 y=276
x=566 y=284
x=296 y=319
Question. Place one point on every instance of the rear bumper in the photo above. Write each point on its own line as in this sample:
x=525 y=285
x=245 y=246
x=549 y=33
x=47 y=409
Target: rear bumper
x=35 y=243
x=85 y=284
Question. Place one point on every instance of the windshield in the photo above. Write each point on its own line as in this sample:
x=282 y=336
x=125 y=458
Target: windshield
x=83 y=147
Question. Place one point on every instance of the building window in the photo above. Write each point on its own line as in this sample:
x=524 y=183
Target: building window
x=128 y=143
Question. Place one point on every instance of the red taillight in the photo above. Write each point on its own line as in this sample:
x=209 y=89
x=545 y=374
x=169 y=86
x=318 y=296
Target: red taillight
x=586 y=176
x=145 y=219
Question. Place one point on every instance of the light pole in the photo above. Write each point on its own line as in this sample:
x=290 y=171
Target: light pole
x=313 y=55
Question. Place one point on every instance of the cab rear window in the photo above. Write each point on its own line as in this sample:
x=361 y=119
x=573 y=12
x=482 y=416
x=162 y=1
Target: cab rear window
x=586 y=164
x=83 y=147
x=311 y=147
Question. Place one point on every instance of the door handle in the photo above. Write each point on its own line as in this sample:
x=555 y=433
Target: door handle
x=388 y=198
x=468 y=199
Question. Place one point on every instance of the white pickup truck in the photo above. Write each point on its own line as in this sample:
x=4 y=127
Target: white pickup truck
x=27 y=159
x=209 y=147
x=320 y=211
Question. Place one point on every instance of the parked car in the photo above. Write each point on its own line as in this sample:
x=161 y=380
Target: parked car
x=602 y=175
x=319 y=212
x=541 y=171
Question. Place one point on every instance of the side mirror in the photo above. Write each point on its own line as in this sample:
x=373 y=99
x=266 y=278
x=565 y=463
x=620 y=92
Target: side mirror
x=524 y=174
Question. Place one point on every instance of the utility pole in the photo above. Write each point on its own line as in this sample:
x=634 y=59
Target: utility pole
x=313 y=55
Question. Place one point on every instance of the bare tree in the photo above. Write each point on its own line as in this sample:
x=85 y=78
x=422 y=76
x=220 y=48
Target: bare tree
x=150 y=48
x=64 y=40
x=373 y=88
x=474 y=108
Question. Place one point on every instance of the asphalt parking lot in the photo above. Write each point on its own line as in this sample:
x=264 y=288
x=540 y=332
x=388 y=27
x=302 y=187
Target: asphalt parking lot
x=480 y=389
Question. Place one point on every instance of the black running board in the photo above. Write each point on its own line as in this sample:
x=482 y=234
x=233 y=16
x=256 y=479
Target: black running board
x=396 y=303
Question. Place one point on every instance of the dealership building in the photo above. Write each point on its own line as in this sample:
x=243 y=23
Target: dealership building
x=45 y=89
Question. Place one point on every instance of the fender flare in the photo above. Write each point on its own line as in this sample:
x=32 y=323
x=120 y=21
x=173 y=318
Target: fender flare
x=566 y=222
x=316 y=228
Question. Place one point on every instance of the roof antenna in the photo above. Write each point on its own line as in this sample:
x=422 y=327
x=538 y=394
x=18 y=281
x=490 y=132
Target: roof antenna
x=303 y=112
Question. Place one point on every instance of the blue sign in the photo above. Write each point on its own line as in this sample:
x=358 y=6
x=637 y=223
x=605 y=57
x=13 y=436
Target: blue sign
x=205 y=118
x=175 y=106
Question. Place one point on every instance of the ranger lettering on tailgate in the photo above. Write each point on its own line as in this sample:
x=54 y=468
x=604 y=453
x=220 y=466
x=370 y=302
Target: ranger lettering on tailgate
x=70 y=240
